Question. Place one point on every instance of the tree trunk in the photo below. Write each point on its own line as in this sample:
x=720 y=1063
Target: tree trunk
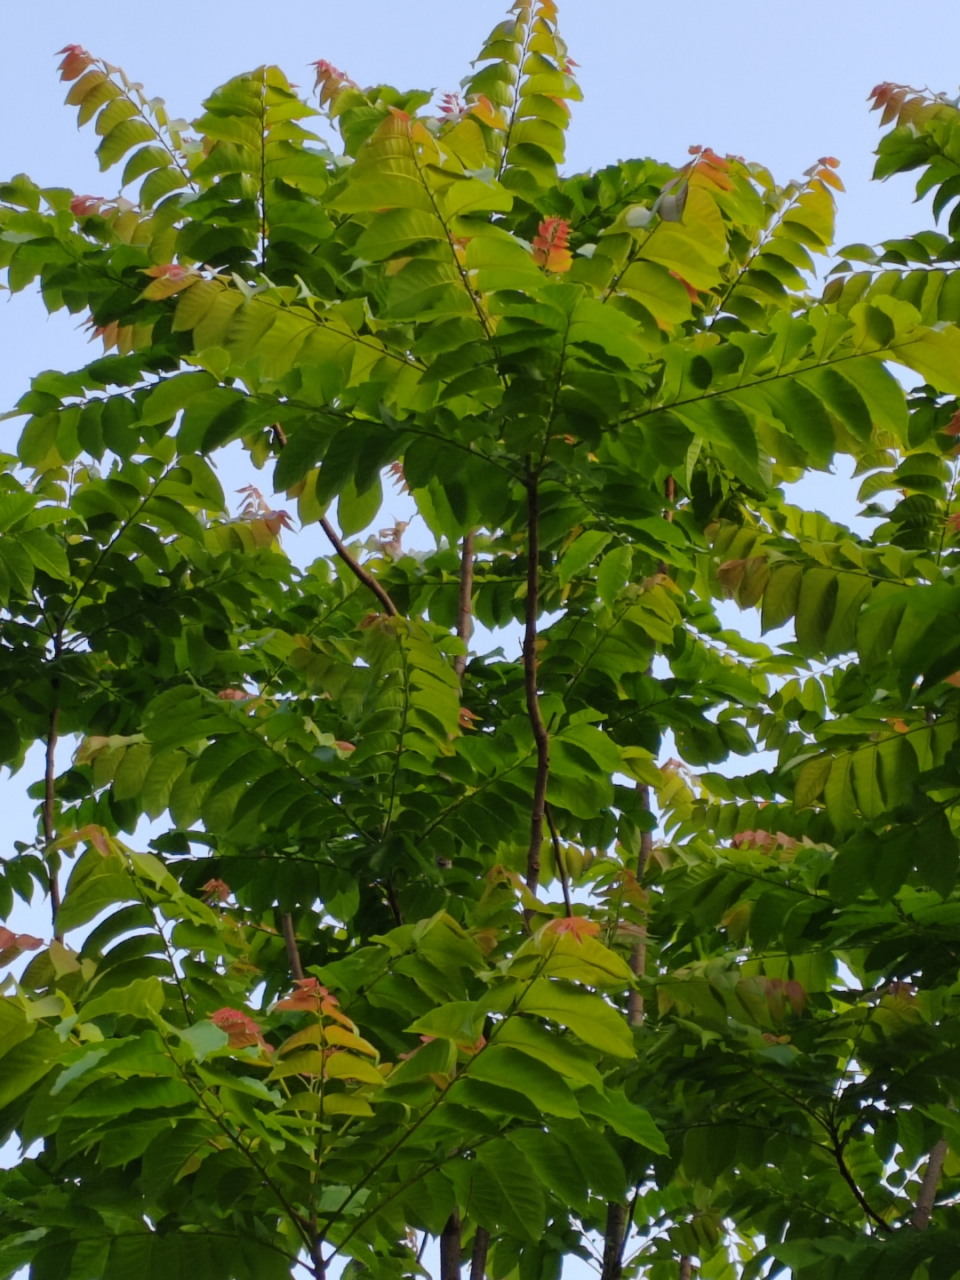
x=450 y=1248
x=478 y=1260
x=613 y=1239
x=686 y=1268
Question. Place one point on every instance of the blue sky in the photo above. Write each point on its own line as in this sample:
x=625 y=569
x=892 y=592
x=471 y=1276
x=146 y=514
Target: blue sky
x=782 y=84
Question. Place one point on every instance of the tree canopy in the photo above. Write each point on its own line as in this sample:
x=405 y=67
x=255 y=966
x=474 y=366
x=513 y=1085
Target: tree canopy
x=516 y=950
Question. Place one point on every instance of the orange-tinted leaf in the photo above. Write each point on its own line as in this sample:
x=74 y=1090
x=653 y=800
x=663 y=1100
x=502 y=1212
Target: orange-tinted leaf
x=578 y=926
x=75 y=62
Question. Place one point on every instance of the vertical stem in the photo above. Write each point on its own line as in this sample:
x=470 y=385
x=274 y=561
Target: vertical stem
x=478 y=1259
x=613 y=1238
x=49 y=793
x=920 y=1217
x=465 y=612
x=540 y=735
x=558 y=855
x=393 y=902
x=686 y=1268
x=450 y=1248
x=638 y=957
x=293 y=951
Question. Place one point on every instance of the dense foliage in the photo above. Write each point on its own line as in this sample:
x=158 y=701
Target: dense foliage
x=406 y=960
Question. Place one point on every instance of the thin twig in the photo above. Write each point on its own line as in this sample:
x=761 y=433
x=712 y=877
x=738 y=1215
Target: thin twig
x=368 y=580
x=465 y=612
x=558 y=855
x=293 y=951
x=540 y=735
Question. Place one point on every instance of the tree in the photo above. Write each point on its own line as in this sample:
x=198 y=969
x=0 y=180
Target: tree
x=351 y=1000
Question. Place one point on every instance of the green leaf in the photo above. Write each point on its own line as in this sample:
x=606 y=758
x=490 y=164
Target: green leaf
x=623 y=1117
x=142 y=998
x=522 y=1206
x=514 y=1070
x=46 y=552
x=355 y=511
x=589 y=1017
x=580 y=554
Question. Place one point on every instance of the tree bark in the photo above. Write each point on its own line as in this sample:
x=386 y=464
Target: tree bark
x=465 y=611
x=450 y=1248
x=478 y=1259
x=921 y=1215
x=613 y=1241
x=686 y=1268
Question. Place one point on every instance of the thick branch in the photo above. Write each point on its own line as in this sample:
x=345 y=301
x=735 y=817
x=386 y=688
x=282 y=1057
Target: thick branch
x=686 y=1268
x=478 y=1259
x=450 y=1248
x=928 y=1186
x=613 y=1240
x=561 y=867
x=368 y=580
x=465 y=612
x=293 y=951
x=540 y=735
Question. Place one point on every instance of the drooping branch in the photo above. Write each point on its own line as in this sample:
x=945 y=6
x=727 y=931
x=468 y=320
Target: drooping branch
x=368 y=580
x=450 y=1248
x=293 y=951
x=465 y=610
x=540 y=735
x=920 y=1218
x=478 y=1259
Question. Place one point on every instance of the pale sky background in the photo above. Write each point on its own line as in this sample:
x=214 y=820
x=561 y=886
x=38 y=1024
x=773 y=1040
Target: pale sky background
x=774 y=82
x=779 y=83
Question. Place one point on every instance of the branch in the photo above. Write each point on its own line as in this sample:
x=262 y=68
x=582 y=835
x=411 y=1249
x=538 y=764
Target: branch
x=293 y=951
x=368 y=580
x=857 y=1193
x=465 y=614
x=920 y=1218
x=561 y=868
x=478 y=1259
x=686 y=1269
